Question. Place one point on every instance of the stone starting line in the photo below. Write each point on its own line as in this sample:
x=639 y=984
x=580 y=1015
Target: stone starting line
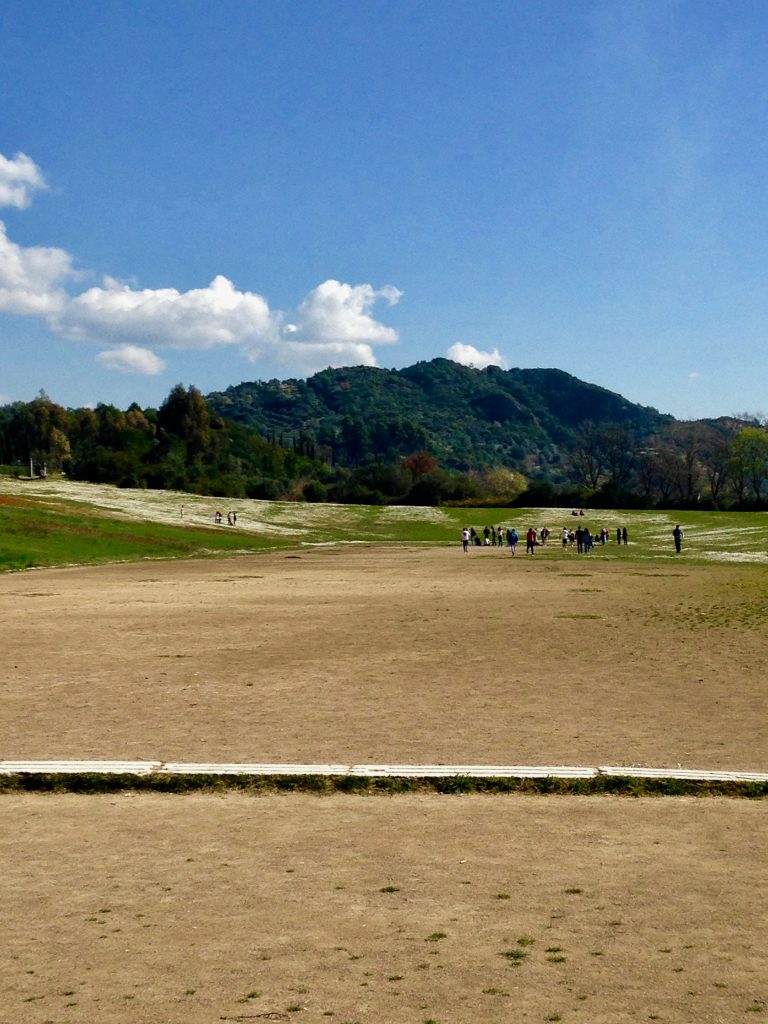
x=160 y=769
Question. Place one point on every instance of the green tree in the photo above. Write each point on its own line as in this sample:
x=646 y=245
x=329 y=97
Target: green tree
x=749 y=461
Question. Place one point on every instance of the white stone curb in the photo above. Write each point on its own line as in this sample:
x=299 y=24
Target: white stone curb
x=407 y=771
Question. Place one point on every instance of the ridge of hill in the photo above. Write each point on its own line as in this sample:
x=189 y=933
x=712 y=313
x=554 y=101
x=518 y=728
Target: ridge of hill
x=467 y=418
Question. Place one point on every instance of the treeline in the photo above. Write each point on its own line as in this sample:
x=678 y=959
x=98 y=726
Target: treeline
x=707 y=464
x=186 y=445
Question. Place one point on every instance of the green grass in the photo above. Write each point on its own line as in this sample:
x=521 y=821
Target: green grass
x=35 y=535
x=55 y=522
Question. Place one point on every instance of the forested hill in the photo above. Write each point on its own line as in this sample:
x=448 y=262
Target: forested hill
x=466 y=418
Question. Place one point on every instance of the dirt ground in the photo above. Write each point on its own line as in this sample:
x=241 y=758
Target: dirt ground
x=373 y=655
x=410 y=909
x=406 y=909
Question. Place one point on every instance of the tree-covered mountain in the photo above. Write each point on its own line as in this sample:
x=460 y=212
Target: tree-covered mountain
x=429 y=434
x=525 y=420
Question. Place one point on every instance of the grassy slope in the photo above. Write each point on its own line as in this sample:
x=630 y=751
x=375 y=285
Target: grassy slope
x=46 y=523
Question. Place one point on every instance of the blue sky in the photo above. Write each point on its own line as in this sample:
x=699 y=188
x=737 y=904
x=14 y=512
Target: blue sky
x=212 y=193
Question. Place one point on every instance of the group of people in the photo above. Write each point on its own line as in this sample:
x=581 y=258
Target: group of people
x=582 y=537
x=493 y=537
x=498 y=537
x=231 y=518
x=585 y=540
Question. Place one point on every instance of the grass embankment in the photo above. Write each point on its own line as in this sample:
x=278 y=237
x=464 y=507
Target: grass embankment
x=59 y=522
x=33 y=534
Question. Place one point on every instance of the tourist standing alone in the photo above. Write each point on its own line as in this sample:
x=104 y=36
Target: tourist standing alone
x=677 y=534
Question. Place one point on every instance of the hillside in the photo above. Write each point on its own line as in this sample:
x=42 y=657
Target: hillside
x=467 y=418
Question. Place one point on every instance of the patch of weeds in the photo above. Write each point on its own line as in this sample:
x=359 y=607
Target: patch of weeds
x=503 y=896
x=614 y=924
x=189 y=992
x=395 y=977
x=355 y=956
x=294 y=1008
x=665 y=950
x=515 y=956
x=436 y=936
x=553 y=1016
x=678 y=970
x=720 y=984
x=573 y=890
x=495 y=992
x=596 y=952
x=557 y=958
x=525 y=940
x=756 y=1007
x=390 y=888
x=554 y=949
x=253 y=994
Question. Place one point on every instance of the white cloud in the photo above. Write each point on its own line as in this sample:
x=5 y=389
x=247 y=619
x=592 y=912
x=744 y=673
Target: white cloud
x=19 y=178
x=166 y=318
x=339 y=313
x=30 y=277
x=334 y=325
x=131 y=359
x=468 y=355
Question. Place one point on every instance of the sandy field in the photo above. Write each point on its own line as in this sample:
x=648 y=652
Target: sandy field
x=375 y=655
x=408 y=909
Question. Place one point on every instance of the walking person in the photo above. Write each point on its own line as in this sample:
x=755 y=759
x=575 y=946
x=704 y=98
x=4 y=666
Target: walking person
x=677 y=534
x=624 y=535
x=512 y=540
x=465 y=539
x=530 y=541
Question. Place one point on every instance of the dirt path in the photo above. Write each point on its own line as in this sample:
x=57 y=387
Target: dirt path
x=203 y=909
x=388 y=655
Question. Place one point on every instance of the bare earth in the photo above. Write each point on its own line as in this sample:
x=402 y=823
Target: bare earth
x=407 y=909
x=375 y=655
x=199 y=909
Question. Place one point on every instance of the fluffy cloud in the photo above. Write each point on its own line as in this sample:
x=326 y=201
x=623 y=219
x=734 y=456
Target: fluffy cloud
x=339 y=313
x=334 y=325
x=131 y=359
x=468 y=355
x=166 y=318
x=19 y=178
x=30 y=277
